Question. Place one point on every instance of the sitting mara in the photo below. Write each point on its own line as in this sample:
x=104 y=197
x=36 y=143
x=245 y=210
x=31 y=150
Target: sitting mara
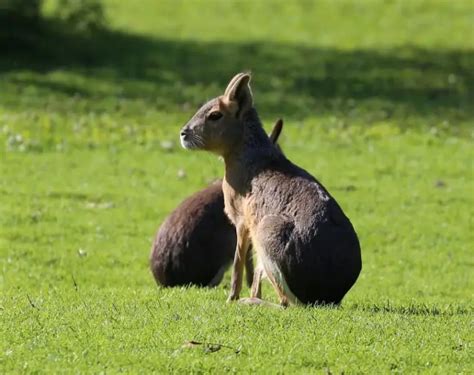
x=303 y=242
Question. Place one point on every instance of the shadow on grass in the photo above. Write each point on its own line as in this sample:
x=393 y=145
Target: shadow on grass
x=292 y=80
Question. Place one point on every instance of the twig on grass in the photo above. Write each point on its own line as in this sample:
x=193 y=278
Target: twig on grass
x=76 y=287
x=210 y=347
x=32 y=304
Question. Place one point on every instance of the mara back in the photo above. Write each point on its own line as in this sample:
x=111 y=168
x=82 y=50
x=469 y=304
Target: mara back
x=196 y=242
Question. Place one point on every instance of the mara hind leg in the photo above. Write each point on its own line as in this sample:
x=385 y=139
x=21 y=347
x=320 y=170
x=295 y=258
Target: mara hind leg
x=272 y=237
x=256 y=292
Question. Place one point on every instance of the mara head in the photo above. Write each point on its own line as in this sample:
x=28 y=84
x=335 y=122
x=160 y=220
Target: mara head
x=218 y=125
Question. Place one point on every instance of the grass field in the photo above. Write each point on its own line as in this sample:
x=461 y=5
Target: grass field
x=377 y=100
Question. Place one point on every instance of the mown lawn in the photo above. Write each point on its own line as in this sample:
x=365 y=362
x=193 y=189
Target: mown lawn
x=377 y=101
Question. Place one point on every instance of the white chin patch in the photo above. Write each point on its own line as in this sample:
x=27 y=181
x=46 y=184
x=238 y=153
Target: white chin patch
x=183 y=143
x=188 y=145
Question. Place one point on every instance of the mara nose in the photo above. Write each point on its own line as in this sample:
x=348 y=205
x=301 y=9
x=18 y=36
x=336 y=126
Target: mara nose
x=184 y=132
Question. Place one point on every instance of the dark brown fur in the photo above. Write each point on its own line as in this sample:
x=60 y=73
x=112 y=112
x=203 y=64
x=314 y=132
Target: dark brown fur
x=196 y=243
x=304 y=243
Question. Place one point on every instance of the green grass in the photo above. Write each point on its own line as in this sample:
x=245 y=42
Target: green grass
x=377 y=101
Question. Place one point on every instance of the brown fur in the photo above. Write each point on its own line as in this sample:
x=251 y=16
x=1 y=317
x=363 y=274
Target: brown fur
x=196 y=242
x=184 y=251
x=304 y=243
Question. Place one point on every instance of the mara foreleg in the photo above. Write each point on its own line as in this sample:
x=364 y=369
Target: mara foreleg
x=243 y=244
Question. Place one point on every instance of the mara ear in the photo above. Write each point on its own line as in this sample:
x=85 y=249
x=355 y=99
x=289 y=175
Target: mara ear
x=276 y=131
x=232 y=82
x=238 y=91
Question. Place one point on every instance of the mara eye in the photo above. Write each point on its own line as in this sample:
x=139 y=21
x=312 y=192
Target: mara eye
x=214 y=116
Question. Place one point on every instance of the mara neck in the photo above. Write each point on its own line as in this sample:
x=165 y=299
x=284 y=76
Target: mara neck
x=251 y=154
